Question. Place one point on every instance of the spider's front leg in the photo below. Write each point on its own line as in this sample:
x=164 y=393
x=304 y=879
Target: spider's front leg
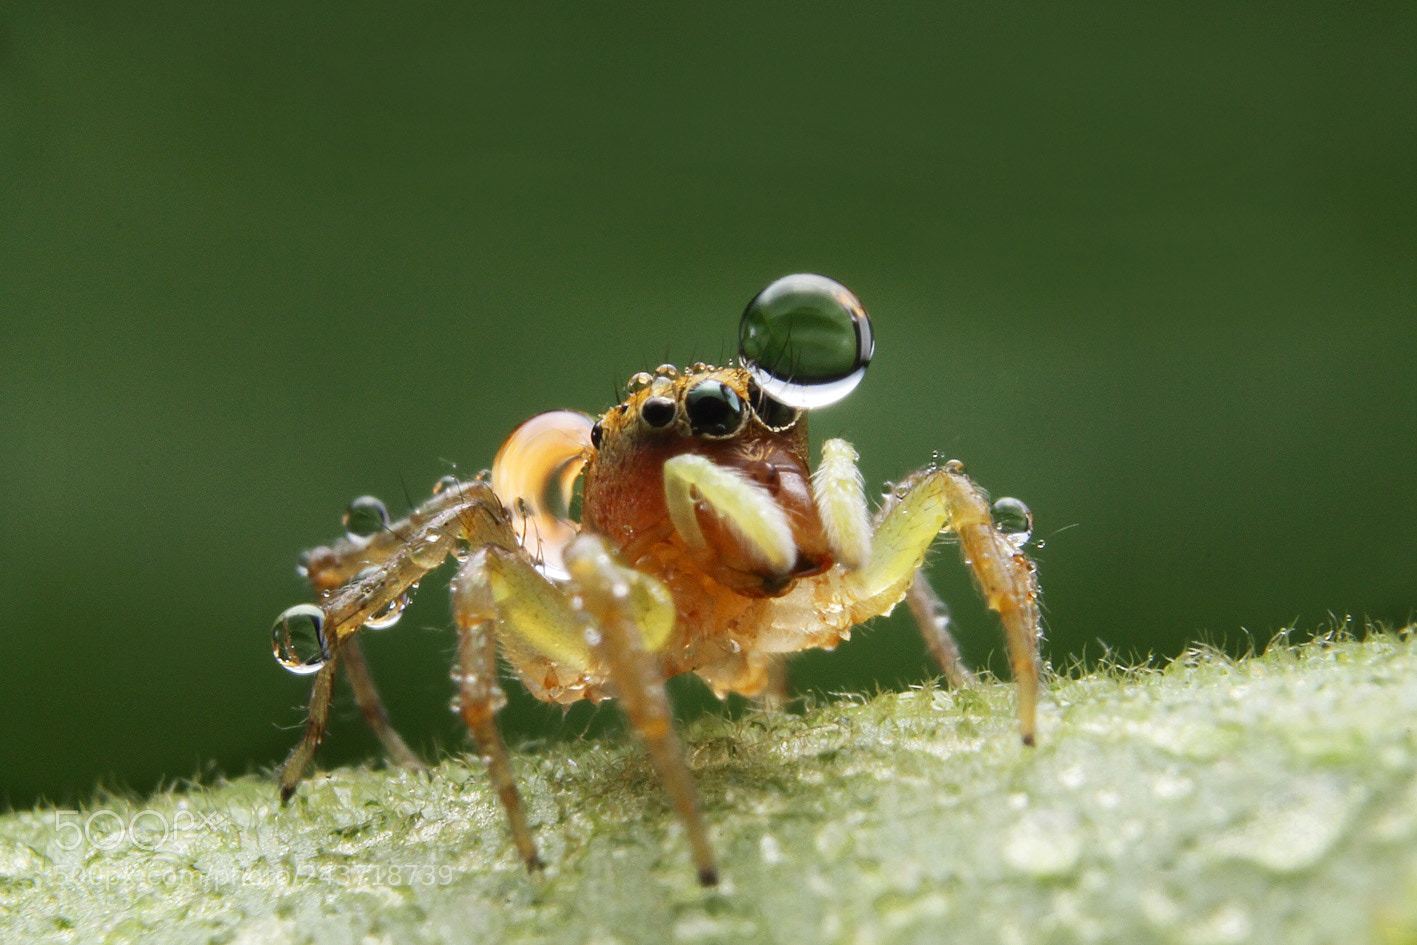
x=634 y=614
x=600 y=630
x=931 y=500
x=358 y=580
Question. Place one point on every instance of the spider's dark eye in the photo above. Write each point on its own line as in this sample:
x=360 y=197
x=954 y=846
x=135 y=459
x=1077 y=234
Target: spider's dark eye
x=597 y=433
x=774 y=414
x=658 y=411
x=714 y=409
x=806 y=340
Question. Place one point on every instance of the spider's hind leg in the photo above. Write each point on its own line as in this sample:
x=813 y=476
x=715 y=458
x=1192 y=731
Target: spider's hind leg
x=371 y=706
x=932 y=616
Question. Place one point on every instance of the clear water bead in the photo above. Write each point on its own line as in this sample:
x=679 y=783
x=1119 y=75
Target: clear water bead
x=1014 y=519
x=806 y=340
x=298 y=639
x=429 y=551
x=390 y=615
x=364 y=517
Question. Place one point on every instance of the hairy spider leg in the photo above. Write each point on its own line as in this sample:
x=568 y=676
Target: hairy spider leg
x=599 y=634
x=357 y=580
x=943 y=498
x=634 y=614
x=371 y=706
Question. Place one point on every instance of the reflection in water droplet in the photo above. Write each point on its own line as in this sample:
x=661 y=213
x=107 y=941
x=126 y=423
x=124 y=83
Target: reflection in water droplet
x=667 y=370
x=298 y=639
x=365 y=516
x=806 y=340
x=1014 y=519
x=390 y=615
x=640 y=381
x=954 y=467
x=447 y=482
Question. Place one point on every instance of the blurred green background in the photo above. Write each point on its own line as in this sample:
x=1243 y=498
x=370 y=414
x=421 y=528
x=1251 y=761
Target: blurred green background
x=1149 y=267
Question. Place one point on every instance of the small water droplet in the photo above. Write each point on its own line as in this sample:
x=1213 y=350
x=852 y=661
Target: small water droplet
x=447 y=482
x=365 y=516
x=954 y=467
x=390 y=615
x=428 y=551
x=698 y=367
x=640 y=381
x=806 y=340
x=298 y=639
x=483 y=475
x=667 y=370
x=1014 y=519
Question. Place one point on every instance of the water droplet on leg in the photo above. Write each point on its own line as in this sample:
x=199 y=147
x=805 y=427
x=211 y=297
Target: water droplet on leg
x=1014 y=519
x=298 y=639
x=429 y=551
x=390 y=615
x=364 y=517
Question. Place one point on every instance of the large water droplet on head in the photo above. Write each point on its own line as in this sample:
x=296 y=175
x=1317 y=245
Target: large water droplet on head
x=1014 y=519
x=365 y=516
x=298 y=639
x=806 y=340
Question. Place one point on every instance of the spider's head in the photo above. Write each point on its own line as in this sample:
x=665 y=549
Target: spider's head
x=804 y=342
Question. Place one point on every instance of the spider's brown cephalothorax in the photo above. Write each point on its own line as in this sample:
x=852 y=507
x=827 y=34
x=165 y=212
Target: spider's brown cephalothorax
x=706 y=543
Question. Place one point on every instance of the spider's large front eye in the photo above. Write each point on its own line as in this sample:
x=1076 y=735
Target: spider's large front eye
x=806 y=340
x=714 y=409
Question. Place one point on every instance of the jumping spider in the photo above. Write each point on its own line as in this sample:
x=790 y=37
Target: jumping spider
x=705 y=544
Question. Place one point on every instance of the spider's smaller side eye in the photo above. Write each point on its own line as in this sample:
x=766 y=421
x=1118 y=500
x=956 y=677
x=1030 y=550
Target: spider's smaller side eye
x=597 y=433
x=774 y=414
x=658 y=411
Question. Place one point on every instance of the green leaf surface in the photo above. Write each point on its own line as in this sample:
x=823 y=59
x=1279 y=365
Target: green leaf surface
x=1270 y=799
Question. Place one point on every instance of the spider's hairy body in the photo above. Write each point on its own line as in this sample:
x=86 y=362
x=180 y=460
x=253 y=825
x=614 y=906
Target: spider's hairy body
x=706 y=543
